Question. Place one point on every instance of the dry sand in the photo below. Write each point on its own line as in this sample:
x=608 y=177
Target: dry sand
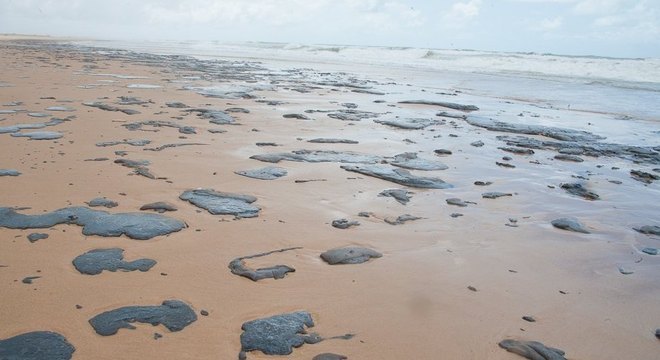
x=413 y=303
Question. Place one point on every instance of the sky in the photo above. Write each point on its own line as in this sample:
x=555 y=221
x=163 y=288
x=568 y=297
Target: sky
x=615 y=28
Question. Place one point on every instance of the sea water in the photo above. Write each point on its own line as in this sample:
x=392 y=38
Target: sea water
x=620 y=90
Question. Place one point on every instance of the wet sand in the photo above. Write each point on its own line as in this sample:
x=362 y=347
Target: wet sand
x=412 y=303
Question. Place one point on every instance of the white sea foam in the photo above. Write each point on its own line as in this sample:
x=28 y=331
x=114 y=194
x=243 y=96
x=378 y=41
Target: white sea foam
x=143 y=86
x=119 y=76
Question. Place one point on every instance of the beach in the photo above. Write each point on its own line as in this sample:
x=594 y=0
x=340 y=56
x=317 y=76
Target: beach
x=453 y=278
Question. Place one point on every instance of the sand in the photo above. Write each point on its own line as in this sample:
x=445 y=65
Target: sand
x=411 y=303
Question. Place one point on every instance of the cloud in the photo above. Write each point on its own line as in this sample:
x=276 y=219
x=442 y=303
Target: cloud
x=621 y=20
x=591 y=7
x=203 y=12
x=408 y=14
x=639 y=22
x=386 y=14
x=551 y=24
x=632 y=21
x=466 y=10
x=607 y=21
x=543 y=1
x=462 y=13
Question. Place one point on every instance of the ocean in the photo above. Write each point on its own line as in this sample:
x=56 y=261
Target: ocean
x=614 y=89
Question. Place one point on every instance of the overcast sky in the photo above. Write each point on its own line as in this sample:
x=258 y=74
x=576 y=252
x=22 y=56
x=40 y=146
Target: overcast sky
x=620 y=28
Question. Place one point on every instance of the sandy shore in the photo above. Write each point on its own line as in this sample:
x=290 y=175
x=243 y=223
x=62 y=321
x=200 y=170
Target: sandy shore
x=445 y=288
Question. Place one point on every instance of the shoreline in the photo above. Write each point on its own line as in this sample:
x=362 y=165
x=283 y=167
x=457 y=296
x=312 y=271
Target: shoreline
x=417 y=292
x=463 y=62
